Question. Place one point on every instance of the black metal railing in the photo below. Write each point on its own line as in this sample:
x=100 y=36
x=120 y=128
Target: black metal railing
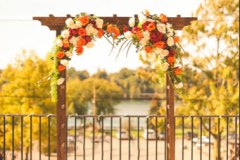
x=120 y=137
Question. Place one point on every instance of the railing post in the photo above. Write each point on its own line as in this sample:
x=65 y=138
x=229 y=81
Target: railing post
x=170 y=119
x=61 y=117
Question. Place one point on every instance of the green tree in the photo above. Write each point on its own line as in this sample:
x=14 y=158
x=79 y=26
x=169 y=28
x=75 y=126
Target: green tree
x=73 y=73
x=100 y=74
x=80 y=95
x=25 y=90
x=76 y=101
x=212 y=79
x=107 y=94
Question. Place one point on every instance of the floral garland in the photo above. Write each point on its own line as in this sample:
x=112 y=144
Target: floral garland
x=155 y=39
x=152 y=35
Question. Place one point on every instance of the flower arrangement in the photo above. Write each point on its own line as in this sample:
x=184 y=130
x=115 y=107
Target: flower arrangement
x=156 y=40
x=79 y=33
x=152 y=35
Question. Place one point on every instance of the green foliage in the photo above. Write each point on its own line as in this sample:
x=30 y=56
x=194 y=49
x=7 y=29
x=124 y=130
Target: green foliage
x=108 y=94
x=24 y=89
x=212 y=79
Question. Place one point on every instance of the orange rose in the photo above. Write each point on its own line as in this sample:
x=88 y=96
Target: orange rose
x=139 y=35
x=116 y=32
x=84 y=20
x=170 y=60
x=178 y=71
x=176 y=39
x=65 y=43
x=110 y=28
x=61 y=67
x=82 y=32
x=160 y=44
x=100 y=33
x=81 y=42
x=148 y=49
x=163 y=18
x=60 y=54
x=151 y=26
x=79 y=50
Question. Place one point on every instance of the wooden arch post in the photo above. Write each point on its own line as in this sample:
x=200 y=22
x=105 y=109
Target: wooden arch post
x=57 y=24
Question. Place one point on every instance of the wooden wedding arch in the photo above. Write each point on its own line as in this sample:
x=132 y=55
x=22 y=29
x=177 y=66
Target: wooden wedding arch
x=57 y=24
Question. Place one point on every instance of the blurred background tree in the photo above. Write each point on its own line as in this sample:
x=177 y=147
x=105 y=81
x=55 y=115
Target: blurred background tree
x=24 y=89
x=212 y=76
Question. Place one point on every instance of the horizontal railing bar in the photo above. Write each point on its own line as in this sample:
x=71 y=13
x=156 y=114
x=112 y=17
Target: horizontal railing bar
x=207 y=116
x=28 y=115
x=118 y=116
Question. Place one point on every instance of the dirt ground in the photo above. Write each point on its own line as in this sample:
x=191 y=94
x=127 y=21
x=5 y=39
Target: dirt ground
x=136 y=152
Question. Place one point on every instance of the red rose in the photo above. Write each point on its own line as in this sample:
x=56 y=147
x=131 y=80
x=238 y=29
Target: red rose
x=135 y=29
x=93 y=22
x=172 y=52
x=88 y=39
x=144 y=26
x=125 y=29
x=73 y=32
x=155 y=36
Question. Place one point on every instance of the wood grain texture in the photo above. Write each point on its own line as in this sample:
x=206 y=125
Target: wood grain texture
x=170 y=119
x=61 y=119
x=58 y=23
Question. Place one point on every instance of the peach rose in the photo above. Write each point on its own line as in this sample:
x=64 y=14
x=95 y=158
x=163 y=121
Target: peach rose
x=163 y=18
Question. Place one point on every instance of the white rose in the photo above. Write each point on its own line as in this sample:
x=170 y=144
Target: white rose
x=94 y=31
x=179 y=85
x=158 y=51
x=170 y=33
x=177 y=65
x=65 y=34
x=59 y=42
x=165 y=53
x=68 y=54
x=150 y=20
x=60 y=81
x=128 y=35
x=73 y=26
x=161 y=28
x=89 y=29
x=78 y=24
x=170 y=41
x=64 y=62
x=99 y=23
x=165 y=66
x=146 y=35
x=131 y=22
x=161 y=52
x=143 y=41
x=169 y=26
x=73 y=41
x=69 y=22
x=89 y=45
x=142 y=19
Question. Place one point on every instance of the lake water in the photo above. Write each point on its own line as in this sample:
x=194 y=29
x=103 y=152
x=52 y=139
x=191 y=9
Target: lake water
x=128 y=107
x=133 y=107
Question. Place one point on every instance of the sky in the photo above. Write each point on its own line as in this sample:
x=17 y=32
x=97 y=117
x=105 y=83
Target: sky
x=18 y=31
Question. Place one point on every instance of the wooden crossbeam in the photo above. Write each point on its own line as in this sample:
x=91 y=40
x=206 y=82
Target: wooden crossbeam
x=57 y=24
